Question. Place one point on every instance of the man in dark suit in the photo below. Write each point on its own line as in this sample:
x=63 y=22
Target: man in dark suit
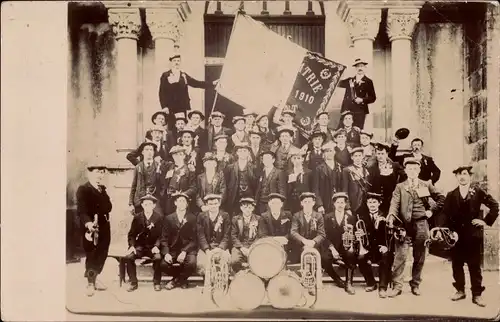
x=255 y=139
x=379 y=250
x=178 y=241
x=299 y=180
x=314 y=154
x=308 y=228
x=352 y=131
x=411 y=204
x=327 y=179
x=215 y=128
x=271 y=180
x=429 y=170
x=269 y=136
x=93 y=208
x=356 y=181
x=241 y=179
x=173 y=92
x=283 y=146
x=147 y=178
x=209 y=182
x=223 y=157
x=359 y=92
x=144 y=240
x=342 y=150
x=322 y=126
x=462 y=215
x=200 y=134
x=244 y=229
x=213 y=231
x=156 y=134
x=173 y=136
x=385 y=175
x=176 y=177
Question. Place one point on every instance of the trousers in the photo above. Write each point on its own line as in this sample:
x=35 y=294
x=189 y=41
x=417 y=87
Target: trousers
x=187 y=267
x=418 y=233
x=96 y=254
x=132 y=269
x=467 y=252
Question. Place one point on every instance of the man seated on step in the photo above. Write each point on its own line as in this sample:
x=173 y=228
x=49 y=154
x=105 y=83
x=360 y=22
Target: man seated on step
x=340 y=247
x=178 y=242
x=243 y=233
x=276 y=222
x=380 y=250
x=144 y=241
x=308 y=228
x=213 y=230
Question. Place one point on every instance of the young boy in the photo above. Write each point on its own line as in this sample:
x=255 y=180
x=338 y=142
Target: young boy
x=243 y=233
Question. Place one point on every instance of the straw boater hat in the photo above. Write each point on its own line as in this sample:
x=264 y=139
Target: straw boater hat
x=340 y=195
x=145 y=144
x=96 y=164
x=382 y=146
x=321 y=113
x=277 y=196
x=462 y=168
x=180 y=116
x=178 y=194
x=328 y=146
x=359 y=61
x=307 y=195
x=373 y=195
x=187 y=129
x=365 y=132
x=212 y=196
x=158 y=128
x=296 y=152
x=357 y=149
x=248 y=112
x=221 y=136
x=283 y=128
x=209 y=156
x=267 y=152
x=176 y=149
x=256 y=130
x=196 y=112
x=217 y=114
x=340 y=132
x=289 y=110
x=247 y=201
x=163 y=112
x=318 y=133
x=149 y=197
x=241 y=145
x=410 y=161
x=258 y=118
x=346 y=112
x=174 y=56
x=238 y=118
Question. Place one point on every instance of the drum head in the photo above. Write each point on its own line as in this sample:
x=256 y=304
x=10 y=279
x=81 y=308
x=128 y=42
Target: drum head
x=247 y=291
x=285 y=291
x=267 y=259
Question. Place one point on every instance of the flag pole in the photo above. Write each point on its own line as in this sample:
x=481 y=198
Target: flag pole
x=215 y=101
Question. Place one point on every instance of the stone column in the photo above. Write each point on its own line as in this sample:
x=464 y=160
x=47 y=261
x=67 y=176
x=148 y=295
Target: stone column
x=400 y=26
x=126 y=24
x=363 y=25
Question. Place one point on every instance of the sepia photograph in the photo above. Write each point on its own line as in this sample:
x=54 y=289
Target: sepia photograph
x=283 y=159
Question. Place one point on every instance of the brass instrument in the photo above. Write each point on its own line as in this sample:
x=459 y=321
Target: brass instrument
x=216 y=276
x=394 y=232
x=446 y=239
x=362 y=237
x=310 y=274
x=348 y=238
x=93 y=235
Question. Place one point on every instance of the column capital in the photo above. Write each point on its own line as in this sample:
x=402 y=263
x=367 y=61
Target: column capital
x=401 y=23
x=164 y=23
x=363 y=23
x=126 y=22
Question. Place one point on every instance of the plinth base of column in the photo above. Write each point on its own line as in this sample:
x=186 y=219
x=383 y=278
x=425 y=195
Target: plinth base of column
x=490 y=249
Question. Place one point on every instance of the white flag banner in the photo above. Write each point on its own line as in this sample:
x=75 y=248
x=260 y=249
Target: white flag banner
x=260 y=66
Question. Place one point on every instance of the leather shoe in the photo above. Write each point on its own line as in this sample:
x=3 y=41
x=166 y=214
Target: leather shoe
x=184 y=285
x=395 y=293
x=170 y=285
x=157 y=287
x=382 y=294
x=350 y=290
x=132 y=287
x=478 y=300
x=371 y=288
x=90 y=290
x=415 y=291
x=100 y=287
x=459 y=295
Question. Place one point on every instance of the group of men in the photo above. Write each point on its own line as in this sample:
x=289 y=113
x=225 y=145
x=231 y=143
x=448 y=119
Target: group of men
x=199 y=190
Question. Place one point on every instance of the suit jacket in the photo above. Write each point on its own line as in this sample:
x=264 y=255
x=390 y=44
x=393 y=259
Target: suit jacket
x=256 y=159
x=460 y=222
x=211 y=134
x=232 y=182
x=325 y=183
x=146 y=233
x=194 y=158
x=343 y=157
x=312 y=159
x=217 y=186
x=237 y=230
x=355 y=187
x=138 y=188
x=178 y=237
x=297 y=232
x=402 y=201
x=135 y=156
x=334 y=230
x=282 y=156
x=221 y=230
x=302 y=183
x=89 y=201
x=175 y=96
x=172 y=140
x=385 y=185
x=224 y=162
x=274 y=183
x=201 y=139
x=266 y=228
x=428 y=169
x=376 y=236
x=185 y=183
x=329 y=133
x=364 y=90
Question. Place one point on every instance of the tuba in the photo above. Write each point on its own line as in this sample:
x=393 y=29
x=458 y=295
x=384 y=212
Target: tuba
x=310 y=274
x=362 y=237
x=348 y=238
x=216 y=276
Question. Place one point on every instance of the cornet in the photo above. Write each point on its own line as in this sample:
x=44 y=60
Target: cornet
x=348 y=238
x=362 y=237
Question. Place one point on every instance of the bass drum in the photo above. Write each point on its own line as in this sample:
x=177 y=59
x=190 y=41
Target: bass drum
x=266 y=258
x=285 y=291
x=247 y=291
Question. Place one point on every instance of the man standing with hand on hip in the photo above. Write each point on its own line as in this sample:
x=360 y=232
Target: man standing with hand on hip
x=411 y=203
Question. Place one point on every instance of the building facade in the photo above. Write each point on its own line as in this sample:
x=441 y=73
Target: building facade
x=435 y=67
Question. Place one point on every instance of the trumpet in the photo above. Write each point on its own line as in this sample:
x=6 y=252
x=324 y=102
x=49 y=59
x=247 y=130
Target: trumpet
x=348 y=238
x=362 y=237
